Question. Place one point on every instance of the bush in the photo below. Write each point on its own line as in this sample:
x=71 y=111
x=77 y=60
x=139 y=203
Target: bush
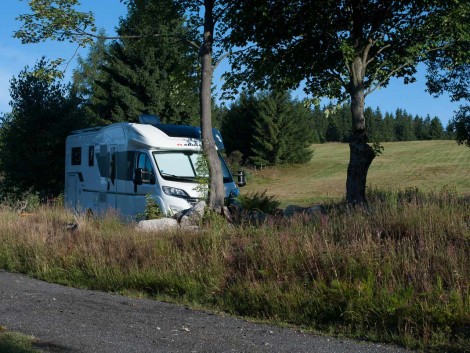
x=259 y=201
x=152 y=211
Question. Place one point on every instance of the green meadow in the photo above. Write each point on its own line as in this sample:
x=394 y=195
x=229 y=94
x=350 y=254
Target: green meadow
x=426 y=165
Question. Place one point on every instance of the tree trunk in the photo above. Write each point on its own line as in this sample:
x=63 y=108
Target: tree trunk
x=361 y=154
x=216 y=185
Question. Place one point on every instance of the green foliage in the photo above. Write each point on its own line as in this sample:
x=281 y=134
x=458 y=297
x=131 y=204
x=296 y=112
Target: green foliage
x=237 y=125
x=269 y=129
x=403 y=126
x=202 y=176
x=378 y=148
x=149 y=75
x=334 y=37
x=259 y=201
x=332 y=124
x=55 y=20
x=449 y=68
x=152 y=211
x=282 y=131
x=32 y=138
x=234 y=161
x=87 y=74
x=461 y=125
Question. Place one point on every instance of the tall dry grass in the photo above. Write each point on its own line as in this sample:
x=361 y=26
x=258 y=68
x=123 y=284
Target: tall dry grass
x=396 y=272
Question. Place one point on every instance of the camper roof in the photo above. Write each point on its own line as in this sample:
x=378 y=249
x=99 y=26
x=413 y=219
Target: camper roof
x=171 y=130
x=89 y=129
x=189 y=131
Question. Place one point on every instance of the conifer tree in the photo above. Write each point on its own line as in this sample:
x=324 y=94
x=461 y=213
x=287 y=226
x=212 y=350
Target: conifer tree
x=150 y=75
x=319 y=125
x=237 y=125
x=269 y=128
x=436 y=130
x=282 y=131
x=388 y=128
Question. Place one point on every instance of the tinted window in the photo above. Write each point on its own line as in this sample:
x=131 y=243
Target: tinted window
x=91 y=156
x=76 y=155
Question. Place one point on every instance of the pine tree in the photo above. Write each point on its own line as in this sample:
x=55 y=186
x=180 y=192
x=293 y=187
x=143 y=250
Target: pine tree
x=266 y=145
x=282 y=131
x=436 y=129
x=237 y=125
x=87 y=74
x=375 y=124
x=150 y=75
x=389 y=128
x=269 y=129
x=404 y=129
x=320 y=124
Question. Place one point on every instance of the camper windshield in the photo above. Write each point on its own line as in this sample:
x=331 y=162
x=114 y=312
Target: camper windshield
x=185 y=166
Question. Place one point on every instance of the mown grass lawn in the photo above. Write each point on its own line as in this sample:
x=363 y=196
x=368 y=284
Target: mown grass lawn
x=426 y=165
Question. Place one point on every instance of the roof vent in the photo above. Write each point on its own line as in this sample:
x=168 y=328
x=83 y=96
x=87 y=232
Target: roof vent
x=149 y=119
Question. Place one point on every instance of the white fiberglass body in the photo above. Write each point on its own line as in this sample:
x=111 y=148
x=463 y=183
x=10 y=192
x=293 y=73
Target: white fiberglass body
x=117 y=166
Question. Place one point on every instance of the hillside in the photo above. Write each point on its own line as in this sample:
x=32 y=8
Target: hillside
x=427 y=165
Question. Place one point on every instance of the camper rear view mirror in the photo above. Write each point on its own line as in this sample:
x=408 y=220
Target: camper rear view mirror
x=138 y=176
x=241 y=178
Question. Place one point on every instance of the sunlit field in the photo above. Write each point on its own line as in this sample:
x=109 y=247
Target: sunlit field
x=426 y=165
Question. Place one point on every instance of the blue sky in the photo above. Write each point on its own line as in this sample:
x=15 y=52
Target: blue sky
x=14 y=56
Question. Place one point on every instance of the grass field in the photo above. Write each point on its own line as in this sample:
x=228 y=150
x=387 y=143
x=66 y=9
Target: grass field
x=427 y=165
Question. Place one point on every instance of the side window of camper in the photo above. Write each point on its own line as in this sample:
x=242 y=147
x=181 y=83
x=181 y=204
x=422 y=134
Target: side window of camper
x=91 y=156
x=143 y=162
x=76 y=155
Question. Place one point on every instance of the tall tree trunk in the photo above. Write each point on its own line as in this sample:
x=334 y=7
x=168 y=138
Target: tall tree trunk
x=216 y=185
x=360 y=153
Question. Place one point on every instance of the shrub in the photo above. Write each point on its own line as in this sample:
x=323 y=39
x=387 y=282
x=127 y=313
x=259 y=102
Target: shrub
x=259 y=201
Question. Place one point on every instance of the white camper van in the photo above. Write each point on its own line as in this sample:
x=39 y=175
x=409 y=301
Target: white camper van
x=116 y=166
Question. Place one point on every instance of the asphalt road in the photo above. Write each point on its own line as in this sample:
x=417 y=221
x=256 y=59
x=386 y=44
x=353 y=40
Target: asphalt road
x=72 y=320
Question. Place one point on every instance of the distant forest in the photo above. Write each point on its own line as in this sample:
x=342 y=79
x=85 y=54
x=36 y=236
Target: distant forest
x=334 y=125
x=273 y=128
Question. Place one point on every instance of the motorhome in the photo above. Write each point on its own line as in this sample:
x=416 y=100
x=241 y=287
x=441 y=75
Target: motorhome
x=119 y=165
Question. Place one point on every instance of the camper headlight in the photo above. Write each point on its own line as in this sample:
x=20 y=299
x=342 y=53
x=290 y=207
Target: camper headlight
x=175 y=192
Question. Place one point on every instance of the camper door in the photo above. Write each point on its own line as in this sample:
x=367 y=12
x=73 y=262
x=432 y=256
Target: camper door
x=112 y=177
x=144 y=180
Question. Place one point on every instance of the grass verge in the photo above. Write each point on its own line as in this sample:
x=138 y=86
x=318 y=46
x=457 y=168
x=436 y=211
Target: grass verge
x=12 y=342
x=396 y=272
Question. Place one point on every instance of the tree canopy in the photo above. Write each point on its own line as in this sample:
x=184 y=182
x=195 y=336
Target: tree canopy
x=150 y=75
x=449 y=67
x=268 y=129
x=32 y=137
x=338 y=49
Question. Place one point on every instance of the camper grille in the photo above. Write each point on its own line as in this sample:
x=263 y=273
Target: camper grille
x=193 y=201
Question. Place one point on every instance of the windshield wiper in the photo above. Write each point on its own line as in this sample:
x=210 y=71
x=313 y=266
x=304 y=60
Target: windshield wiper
x=177 y=177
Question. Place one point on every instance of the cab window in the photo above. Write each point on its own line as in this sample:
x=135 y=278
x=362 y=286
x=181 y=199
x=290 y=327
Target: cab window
x=143 y=163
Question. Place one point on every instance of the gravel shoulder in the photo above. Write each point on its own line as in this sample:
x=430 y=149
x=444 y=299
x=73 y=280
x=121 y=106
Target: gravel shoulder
x=73 y=320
